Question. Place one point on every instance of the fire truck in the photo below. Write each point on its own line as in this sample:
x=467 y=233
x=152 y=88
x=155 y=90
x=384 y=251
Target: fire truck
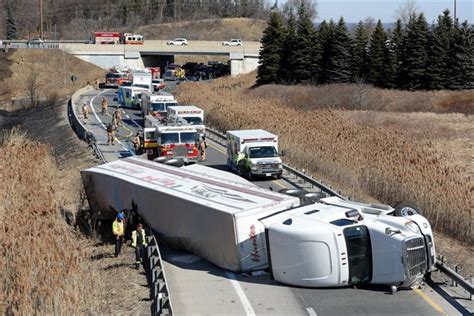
x=131 y=39
x=175 y=139
x=106 y=38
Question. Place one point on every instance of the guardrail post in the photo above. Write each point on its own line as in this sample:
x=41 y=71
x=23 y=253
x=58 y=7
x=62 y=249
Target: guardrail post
x=455 y=284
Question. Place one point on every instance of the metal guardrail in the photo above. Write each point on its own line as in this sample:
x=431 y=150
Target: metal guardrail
x=159 y=290
x=457 y=279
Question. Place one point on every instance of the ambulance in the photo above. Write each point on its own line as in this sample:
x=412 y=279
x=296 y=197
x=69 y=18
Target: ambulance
x=192 y=114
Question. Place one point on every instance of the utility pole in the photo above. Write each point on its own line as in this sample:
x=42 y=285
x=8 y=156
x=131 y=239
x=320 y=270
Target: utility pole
x=454 y=10
x=41 y=18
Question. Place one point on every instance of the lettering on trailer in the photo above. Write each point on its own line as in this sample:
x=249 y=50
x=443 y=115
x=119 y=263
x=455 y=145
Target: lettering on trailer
x=127 y=169
x=167 y=183
x=253 y=237
x=212 y=193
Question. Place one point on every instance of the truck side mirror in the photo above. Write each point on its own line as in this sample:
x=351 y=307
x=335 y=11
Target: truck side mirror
x=284 y=152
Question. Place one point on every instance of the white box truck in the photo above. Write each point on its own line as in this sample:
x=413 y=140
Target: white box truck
x=143 y=79
x=254 y=153
x=192 y=114
x=156 y=104
x=240 y=227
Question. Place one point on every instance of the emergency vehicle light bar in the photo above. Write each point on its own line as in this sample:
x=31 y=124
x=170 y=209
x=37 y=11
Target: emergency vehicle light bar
x=255 y=140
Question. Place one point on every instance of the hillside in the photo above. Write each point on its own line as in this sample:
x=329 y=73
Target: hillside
x=46 y=71
x=211 y=29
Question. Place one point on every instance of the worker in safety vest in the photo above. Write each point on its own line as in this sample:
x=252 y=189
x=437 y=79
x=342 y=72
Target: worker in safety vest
x=139 y=242
x=110 y=134
x=105 y=105
x=238 y=157
x=85 y=110
x=202 y=148
x=117 y=118
x=118 y=230
x=137 y=143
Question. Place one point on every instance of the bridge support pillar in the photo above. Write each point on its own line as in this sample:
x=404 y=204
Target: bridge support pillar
x=241 y=63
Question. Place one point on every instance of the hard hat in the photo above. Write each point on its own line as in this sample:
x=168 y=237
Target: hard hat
x=120 y=216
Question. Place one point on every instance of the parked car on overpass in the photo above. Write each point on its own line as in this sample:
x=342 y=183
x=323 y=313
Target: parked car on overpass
x=35 y=42
x=178 y=41
x=233 y=42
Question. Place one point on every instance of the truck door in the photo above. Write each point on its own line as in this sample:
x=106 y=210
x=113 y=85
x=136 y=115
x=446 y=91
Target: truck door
x=150 y=144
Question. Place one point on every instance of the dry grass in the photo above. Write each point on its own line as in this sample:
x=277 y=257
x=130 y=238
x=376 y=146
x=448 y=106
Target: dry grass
x=44 y=265
x=366 y=97
x=53 y=69
x=212 y=29
x=382 y=162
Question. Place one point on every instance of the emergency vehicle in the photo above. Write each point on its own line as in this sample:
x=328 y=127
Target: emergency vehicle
x=192 y=114
x=172 y=141
x=259 y=150
x=131 y=39
x=106 y=38
x=130 y=96
x=156 y=104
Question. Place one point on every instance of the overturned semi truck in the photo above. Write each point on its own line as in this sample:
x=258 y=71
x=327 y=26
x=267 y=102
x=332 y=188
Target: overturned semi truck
x=241 y=227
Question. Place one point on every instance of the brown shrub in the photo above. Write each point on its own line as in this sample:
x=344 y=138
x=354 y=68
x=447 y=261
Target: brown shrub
x=382 y=162
x=43 y=264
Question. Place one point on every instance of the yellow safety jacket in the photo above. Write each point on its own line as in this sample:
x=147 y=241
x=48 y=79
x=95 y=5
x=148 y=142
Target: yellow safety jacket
x=134 y=238
x=117 y=228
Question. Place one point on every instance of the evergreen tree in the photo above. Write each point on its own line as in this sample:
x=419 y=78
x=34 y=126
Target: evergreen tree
x=441 y=43
x=270 y=53
x=414 y=54
x=10 y=23
x=287 y=61
x=462 y=54
x=304 y=48
x=359 y=53
x=326 y=40
x=341 y=54
x=395 y=46
x=377 y=55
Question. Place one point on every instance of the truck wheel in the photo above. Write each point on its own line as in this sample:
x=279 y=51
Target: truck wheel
x=249 y=175
x=393 y=289
x=312 y=197
x=176 y=162
x=405 y=209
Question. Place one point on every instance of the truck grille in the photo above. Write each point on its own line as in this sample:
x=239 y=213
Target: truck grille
x=180 y=152
x=416 y=256
x=269 y=166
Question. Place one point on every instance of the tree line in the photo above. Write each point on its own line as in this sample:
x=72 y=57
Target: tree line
x=77 y=19
x=411 y=56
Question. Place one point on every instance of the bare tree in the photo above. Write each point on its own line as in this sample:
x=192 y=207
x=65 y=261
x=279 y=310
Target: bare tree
x=311 y=6
x=406 y=10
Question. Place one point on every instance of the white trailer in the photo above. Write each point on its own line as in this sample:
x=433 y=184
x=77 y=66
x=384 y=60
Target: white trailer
x=259 y=153
x=192 y=114
x=240 y=227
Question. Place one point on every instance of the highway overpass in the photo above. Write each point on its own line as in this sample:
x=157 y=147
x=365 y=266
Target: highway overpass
x=243 y=59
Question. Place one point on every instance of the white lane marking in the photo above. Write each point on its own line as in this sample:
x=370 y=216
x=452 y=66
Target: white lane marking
x=311 y=311
x=91 y=104
x=240 y=292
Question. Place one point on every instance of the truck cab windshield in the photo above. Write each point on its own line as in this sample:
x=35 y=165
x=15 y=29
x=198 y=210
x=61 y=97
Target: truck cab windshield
x=113 y=76
x=360 y=254
x=193 y=120
x=188 y=137
x=169 y=138
x=158 y=107
x=263 y=152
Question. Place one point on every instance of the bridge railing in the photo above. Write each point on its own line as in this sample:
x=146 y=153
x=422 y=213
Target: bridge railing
x=457 y=279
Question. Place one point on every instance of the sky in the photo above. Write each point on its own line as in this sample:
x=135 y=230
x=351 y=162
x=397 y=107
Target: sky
x=386 y=10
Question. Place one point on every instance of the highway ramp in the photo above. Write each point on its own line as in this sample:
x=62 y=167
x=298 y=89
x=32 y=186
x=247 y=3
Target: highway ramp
x=201 y=288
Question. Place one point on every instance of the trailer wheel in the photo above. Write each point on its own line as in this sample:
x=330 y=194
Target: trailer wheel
x=405 y=209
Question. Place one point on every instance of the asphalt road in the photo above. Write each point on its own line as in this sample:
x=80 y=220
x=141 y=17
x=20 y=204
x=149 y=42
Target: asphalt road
x=199 y=287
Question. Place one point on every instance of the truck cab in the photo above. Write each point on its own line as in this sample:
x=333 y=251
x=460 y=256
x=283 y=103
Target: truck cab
x=254 y=153
x=344 y=243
